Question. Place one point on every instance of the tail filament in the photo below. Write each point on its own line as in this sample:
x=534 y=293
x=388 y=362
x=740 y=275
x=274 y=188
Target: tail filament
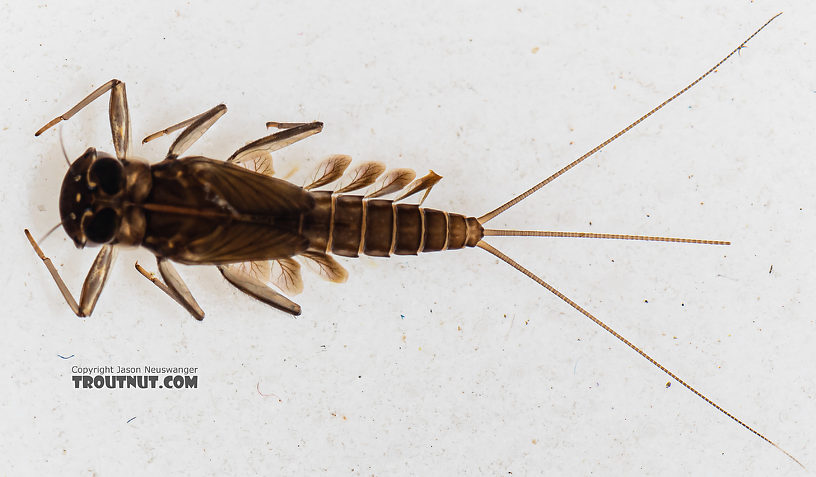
x=492 y=214
x=535 y=233
x=484 y=245
x=647 y=238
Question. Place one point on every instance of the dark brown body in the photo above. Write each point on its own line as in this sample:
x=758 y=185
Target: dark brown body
x=202 y=211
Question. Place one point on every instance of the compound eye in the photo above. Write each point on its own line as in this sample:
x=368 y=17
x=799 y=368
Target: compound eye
x=106 y=173
x=101 y=226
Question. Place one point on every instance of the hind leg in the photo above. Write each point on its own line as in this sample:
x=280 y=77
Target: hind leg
x=276 y=141
x=258 y=290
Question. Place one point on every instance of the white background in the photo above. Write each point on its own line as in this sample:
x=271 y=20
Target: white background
x=453 y=362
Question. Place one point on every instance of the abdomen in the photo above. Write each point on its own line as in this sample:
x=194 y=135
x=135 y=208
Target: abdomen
x=349 y=225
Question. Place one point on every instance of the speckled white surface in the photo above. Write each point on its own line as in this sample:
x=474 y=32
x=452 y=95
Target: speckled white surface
x=447 y=363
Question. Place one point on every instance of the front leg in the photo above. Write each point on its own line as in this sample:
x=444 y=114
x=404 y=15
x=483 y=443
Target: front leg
x=118 y=114
x=94 y=281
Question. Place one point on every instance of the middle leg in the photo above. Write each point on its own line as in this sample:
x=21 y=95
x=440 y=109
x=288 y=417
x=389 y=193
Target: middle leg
x=195 y=128
x=175 y=287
